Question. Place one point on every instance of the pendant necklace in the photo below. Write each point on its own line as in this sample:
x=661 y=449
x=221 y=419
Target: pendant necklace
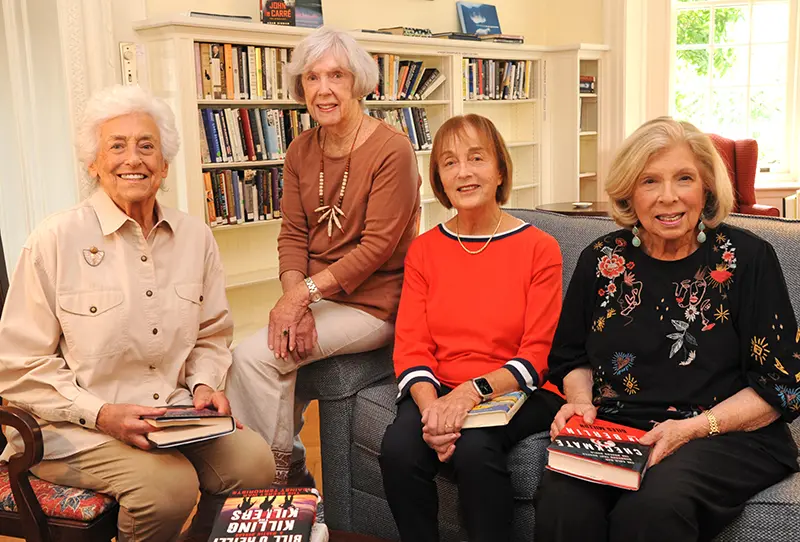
x=473 y=252
x=330 y=212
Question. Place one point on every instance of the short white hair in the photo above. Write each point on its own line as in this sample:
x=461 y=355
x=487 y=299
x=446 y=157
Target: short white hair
x=342 y=45
x=118 y=100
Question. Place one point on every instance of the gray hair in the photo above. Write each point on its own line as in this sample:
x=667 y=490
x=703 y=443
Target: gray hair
x=328 y=40
x=118 y=100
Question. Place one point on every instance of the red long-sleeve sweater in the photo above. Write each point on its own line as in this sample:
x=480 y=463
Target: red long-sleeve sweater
x=462 y=315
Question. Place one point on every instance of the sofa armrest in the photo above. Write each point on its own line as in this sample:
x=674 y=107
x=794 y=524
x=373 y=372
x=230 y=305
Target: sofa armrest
x=758 y=209
x=343 y=376
x=34 y=522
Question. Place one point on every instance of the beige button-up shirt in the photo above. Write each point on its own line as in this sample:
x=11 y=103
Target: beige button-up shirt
x=97 y=313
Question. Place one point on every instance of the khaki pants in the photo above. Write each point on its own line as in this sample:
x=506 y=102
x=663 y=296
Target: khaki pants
x=261 y=387
x=157 y=489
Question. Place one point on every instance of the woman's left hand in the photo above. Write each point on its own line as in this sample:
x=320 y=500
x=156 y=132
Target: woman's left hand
x=205 y=397
x=447 y=413
x=283 y=320
x=667 y=437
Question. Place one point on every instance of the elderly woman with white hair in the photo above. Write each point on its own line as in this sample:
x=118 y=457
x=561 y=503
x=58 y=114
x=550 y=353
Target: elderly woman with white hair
x=117 y=308
x=680 y=325
x=350 y=205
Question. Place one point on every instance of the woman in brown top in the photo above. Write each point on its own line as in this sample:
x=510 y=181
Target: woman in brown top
x=350 y=204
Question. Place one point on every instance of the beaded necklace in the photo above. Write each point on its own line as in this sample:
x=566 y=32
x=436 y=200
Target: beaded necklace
x=330 y=212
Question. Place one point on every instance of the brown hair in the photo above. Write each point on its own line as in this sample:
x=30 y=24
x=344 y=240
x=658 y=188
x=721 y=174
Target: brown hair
x=653 y=137
x=455 y=128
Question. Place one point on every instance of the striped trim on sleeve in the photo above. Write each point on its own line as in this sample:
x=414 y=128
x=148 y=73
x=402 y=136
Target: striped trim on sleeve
x=411 y=376
x=524 y=373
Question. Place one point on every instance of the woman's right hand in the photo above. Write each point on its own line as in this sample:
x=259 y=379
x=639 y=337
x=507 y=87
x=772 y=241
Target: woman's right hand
x=587 y=410
x=443 y=445
x=124 y=423
x=305 y=337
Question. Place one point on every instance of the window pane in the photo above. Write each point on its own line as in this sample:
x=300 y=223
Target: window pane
x=691 y=67
x=768 y=64
x=770 y=22
x=693 y=26
x=730 y=66
x=768 y=125
x=729 y=112
x=692 y=105
x=731 y=25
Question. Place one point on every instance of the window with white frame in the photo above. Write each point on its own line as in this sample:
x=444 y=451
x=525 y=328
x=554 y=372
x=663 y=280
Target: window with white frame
x=732 y=73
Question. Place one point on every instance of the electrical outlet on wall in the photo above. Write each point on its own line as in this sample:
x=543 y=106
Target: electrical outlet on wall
x=127 y=61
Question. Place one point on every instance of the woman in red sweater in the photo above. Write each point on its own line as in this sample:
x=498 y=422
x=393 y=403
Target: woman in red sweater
x=480 y=303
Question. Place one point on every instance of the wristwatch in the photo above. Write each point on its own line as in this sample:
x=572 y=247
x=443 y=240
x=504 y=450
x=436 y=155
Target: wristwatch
x=314 y=294
x=483 y=387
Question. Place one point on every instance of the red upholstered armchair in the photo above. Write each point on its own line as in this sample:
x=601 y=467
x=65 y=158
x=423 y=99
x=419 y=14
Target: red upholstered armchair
x=741 y=157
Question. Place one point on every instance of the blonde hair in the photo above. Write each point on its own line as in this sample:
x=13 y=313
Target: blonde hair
x=456 y=127
x=653 y=137
x=342 y=45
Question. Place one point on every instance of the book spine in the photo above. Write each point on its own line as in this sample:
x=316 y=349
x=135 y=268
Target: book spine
x=236 y=58
x=276 y=202
x=211 y=214
x=252 y=72
x=261 y=146
x=205 y=154
x=198 y=71
x=227 y=48
x=248 y=134
x=434 y=84
x=205 y=59
x=216 y=71
x=218 y=206
x=244 y=75
x=223 y=146
x=211 y=133
x=427 y=128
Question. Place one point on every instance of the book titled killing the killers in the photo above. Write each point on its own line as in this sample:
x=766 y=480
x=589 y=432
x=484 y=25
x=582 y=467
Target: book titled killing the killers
x=187 y=425
x=601 y=452
x=284 y=514
x=497 y=411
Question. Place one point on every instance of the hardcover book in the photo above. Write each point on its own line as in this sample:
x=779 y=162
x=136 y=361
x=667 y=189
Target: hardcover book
x=602 y=452
x=285 y=514
x=304 y=13
x=497 y=411
x=478 y=19
x=186 y=425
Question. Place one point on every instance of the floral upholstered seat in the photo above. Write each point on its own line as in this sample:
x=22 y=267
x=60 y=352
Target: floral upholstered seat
x=57 y=501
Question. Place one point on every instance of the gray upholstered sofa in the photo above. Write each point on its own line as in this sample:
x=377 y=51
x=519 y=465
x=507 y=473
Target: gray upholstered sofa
x=357 y=395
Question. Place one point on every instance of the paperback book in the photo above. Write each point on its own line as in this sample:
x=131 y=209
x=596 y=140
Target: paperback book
x=497 y=411
x=285 y=514
x=187 y=425
x=478 y=19
x=602 y=452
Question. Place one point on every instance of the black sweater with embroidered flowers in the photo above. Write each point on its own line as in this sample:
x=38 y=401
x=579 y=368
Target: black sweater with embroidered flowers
x=669 y=339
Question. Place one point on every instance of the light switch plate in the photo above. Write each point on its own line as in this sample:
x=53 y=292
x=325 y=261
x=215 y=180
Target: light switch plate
x=127 y=61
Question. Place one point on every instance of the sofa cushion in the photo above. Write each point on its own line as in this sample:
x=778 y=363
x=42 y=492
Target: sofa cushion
x=342 y=376
x=58 y=501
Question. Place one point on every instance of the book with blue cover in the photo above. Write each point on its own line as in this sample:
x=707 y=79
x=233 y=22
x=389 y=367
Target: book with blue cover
x=479 y=19
x=497 y=411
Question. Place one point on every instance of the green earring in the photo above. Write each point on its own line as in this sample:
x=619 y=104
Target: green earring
x=701 y=237
x=636 y=241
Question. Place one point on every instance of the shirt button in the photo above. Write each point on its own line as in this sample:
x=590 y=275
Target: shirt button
x=93 y=309
x=155 y=331
x=149 y=293
x=144 y=258
x=201 y=299
x=155 y=396
x=82 y=421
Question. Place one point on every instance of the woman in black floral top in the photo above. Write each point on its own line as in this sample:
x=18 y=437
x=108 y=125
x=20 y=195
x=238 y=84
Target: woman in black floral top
x=680 y=325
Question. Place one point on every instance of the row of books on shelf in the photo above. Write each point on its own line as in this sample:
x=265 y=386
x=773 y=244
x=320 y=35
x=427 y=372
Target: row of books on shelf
x=404 y=79
x=488 y=79
x=587 y=84
x=411 y=120
x=247 y=134
x=241 y=72
x=236 y=196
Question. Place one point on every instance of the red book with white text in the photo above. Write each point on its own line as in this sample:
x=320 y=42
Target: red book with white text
x=601 y=452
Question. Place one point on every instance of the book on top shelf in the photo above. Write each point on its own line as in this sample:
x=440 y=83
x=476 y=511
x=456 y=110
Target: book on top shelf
x=279 y=514
x=478 y=19
x=456 y=36
x=303 y=13
x=241 y=72
x=602 y=452
x=497 y=411
x=408 y=31
x=181 y=425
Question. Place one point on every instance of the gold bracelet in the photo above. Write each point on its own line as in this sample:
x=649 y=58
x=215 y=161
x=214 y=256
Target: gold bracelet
x=713 y=425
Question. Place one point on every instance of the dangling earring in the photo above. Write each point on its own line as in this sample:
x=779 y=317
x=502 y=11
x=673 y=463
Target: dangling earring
x=636 y=241
x=701 y=237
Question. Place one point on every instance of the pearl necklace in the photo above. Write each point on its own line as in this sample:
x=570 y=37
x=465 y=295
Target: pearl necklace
x=331 y=211
x=473 y=252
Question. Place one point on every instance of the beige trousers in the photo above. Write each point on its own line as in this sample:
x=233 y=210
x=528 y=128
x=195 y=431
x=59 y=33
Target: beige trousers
x=261 y=387
x=158 y=489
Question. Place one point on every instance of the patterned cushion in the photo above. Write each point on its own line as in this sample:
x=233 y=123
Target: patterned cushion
x=58 y=501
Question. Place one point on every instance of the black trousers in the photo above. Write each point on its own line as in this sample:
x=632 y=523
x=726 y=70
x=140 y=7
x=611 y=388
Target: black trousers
x=691 y=495
x=478 y=467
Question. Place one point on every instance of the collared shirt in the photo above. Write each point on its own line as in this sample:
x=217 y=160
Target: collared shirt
x=97 y=313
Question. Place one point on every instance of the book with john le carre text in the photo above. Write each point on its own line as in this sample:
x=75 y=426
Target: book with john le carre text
x=601 y=452
x=281 y=514
x=303 y=13
x=497 y=411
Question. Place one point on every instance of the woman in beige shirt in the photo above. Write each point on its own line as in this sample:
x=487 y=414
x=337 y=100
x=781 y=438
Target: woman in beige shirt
x=350 y=205
x=116 y=308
